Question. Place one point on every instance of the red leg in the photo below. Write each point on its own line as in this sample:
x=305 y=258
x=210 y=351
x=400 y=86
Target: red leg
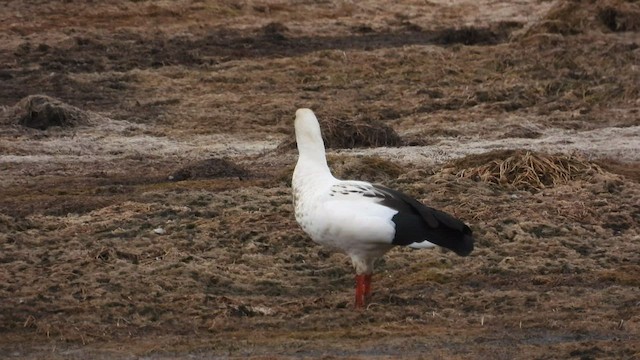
x=367 y=287
x=360 y=291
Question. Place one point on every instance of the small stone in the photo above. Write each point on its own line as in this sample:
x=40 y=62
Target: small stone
x=159 y=231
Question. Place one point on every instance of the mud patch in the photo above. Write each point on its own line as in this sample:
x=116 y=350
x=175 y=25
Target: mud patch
x=470 y=35
x=78 y=54
x=209 y=169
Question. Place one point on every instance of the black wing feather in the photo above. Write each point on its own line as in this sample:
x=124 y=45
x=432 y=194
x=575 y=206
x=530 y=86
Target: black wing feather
x=416 y=223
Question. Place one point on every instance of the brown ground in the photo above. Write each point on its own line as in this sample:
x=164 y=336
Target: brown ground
x=102 y=255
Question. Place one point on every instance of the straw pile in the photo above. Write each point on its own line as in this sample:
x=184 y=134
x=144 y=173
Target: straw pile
x=526 y=170
x=42 y=112
x=571 y=17
x=340 y=133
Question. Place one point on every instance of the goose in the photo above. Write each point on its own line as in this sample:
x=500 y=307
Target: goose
x=361 y=219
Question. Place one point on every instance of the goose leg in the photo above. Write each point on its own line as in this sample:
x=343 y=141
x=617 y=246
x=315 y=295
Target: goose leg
x=360 y=291
x=363 y=290
x=367 y=288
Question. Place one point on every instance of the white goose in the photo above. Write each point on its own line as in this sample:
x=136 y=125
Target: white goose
x=361 y=219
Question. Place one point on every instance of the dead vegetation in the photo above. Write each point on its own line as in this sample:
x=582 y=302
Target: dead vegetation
x=362 y=132
x=570 y=17
x=101 y=255
x=42 y=112
x=367 y=168
x=525 y=170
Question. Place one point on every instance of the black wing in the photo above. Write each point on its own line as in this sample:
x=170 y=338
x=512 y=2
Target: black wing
x=416 y=223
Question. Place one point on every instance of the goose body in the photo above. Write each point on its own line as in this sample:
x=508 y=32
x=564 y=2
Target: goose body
x=361 y=219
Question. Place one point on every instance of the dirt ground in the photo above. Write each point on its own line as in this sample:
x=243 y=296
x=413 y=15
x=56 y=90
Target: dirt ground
x=151 y=217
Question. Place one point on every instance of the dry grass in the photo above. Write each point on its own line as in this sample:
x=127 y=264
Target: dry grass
x=42 y=112
x=232 y=274
x=525 y=170
x=569 y=17
x=368 y=168
x=347 y=134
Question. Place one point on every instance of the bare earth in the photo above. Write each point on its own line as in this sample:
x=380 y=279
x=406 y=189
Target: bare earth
x=104 y=254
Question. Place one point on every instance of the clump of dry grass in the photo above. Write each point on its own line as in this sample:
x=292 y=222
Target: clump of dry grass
x=340 y=133
x=525 y=170
x=573 y=17
x=274 y=31
x=209 y=169
x=42 y=112
x=367 y=168
x=349 y=134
